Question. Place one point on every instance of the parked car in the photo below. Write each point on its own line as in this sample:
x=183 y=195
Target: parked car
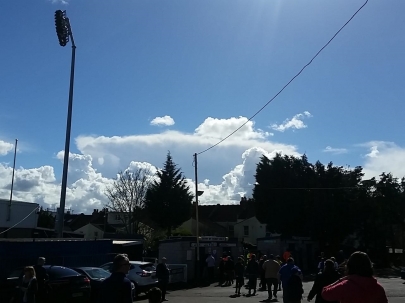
x=64 y=284
x=96 y=276
x=142 y=274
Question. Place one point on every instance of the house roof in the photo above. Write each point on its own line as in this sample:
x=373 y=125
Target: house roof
x=74 y=222
x=107 y=228
x=226 y=213
x=218 y=213
x=218 y=230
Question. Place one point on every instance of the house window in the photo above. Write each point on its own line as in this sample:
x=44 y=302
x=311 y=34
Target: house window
x=96 y=233
x=246 y=230
x=117 y=217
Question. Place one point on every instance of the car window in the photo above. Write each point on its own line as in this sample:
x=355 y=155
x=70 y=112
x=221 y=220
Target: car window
x=98 y=273
x=61 y=272
x=16 y=273
x=107 y=267
x=148 y=267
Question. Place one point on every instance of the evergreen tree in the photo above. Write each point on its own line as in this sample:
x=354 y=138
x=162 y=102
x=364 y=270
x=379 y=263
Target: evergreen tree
x=168 y=199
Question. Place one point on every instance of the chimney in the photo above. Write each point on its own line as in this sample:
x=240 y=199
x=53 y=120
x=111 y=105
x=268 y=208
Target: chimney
x=243 y=202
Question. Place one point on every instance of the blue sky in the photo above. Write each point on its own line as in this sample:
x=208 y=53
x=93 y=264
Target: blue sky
x=193 y=60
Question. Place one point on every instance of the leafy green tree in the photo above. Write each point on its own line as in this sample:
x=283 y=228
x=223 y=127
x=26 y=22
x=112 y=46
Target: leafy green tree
x=168 y=199
x=295 y=197
x=45 y=219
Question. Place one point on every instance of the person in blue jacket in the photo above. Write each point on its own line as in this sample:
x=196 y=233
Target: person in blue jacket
x=285 y=275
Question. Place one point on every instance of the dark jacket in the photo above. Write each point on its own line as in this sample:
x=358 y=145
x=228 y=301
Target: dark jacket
x=42 y=277
x=239 y=270
x=116 y=288
x=229 y=265
x=253 y=268
x=294 y=289
x=31 y=290
x=162 y=272
x=322 y=280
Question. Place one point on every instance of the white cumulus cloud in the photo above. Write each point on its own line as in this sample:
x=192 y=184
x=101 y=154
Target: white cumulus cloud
x=335 y=151
x=226 y=172
x=225 y=175
x=5 y=147
x=162 y=121
x=295 y=122
x=385 y=157
x=64 y=2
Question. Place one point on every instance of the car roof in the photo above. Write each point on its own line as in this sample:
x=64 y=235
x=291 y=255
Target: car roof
x=140 y=263
x=54 y=266
x=86 y=268
x=131 y=262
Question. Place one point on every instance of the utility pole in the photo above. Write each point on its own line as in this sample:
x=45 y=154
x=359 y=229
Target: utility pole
x=196 y=217
x=64 y=32
x=12 y=182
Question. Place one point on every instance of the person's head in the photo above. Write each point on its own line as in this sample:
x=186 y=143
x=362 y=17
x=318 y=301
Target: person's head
x=155 y=295
x=359 y=264
x=329 y=265
x=264 y=257
x=164 y=260
x=29 y=272
x=278 y=257
x=41 y=261
x=294 y=271
x=121 y=263
x=333 y=259
x=271 y=257
x=290 y=261
x=253 y=257
x=240 y=260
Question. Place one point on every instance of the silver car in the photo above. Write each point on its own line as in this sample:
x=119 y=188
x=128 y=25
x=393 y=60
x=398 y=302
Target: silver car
x=142 y=274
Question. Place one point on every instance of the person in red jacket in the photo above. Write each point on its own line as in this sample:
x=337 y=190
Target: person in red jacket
x=359 y=286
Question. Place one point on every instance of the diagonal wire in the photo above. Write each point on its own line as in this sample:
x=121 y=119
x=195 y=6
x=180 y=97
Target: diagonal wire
x=285 y=86
x=4 y=231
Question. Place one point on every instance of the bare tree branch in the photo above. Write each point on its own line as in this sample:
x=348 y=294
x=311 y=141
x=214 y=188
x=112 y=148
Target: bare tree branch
x=126 y=196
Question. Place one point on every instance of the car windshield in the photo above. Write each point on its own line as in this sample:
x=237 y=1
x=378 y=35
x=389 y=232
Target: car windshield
x=16 y=273
x=58 y=272
x=97 y=273
x=148 y=267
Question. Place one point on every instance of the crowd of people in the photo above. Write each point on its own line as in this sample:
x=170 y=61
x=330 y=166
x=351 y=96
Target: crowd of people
x=355 y=285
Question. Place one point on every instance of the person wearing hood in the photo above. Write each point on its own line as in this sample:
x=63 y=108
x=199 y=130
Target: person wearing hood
x=285 y=273
x=359 y=286
x=325 y=278
x=294 y=289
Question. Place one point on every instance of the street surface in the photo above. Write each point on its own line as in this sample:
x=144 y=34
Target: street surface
x=394 y=288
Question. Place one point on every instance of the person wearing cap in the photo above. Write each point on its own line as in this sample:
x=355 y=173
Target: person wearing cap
x=163 y=274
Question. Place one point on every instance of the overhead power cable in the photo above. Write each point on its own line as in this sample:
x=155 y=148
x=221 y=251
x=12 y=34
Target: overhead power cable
x=285 y=86
x=325 y=188
x=4 y=231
